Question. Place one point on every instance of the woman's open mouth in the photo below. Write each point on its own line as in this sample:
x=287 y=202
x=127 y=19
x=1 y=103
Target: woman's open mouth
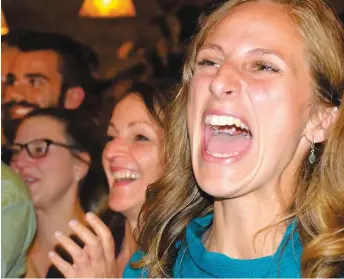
x=226 y=136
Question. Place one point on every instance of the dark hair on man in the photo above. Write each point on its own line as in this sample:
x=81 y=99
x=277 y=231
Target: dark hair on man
x=77 y=61
x=83 y=133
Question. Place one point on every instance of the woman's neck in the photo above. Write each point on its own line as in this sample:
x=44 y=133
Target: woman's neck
x=55 y=218
x=129 y=247
x=241 y=225
x=129 y=244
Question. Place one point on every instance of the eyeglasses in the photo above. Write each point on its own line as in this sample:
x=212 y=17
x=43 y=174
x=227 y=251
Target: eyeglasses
x=37 y=148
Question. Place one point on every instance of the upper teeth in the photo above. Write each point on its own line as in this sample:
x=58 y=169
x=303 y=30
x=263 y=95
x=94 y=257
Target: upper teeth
x=125 y=175
x=23 y=110
x=222 y=120
x=29 y=180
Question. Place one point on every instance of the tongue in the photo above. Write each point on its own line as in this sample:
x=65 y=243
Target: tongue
x=226 y=144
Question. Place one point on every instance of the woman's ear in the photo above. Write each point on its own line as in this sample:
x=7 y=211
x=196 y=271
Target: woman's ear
x=320 y=123
x=82 y=166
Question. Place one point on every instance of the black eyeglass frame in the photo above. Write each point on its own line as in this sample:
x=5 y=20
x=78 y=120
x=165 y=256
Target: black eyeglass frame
x=48 y=142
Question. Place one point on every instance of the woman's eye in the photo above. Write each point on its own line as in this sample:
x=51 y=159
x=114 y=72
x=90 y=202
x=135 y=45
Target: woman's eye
x=207 y=62
x=39 y=149
x=141 y=138
x=263 y=66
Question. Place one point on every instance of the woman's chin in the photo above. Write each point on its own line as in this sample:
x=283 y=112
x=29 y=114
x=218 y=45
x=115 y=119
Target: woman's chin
x=222 y=189
x=125 y=206
x=224 y=181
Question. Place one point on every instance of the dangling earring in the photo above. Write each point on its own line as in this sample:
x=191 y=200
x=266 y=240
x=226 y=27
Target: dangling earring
x=312 y=157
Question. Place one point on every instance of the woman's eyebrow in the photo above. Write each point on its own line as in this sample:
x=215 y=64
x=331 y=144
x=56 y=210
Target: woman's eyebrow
x=214 y=47
x=131 y=124
x=264 y=51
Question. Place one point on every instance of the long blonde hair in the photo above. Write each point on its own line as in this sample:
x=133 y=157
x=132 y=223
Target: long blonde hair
x=174 y=200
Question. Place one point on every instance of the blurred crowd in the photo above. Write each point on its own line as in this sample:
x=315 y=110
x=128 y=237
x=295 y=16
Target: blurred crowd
x=54 y=98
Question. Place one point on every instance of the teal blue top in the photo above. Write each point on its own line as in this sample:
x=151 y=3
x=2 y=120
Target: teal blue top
x=194 y=261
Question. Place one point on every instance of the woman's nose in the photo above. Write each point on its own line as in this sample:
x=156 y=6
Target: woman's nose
x=226 y=83
x=116 y=148
x=21 y=160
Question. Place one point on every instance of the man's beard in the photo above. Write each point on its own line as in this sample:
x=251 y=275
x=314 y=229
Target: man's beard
x=16 y=110
x=8 y=130
x=11 y=114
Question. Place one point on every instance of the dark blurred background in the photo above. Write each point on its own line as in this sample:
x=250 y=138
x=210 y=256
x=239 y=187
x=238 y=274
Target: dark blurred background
x=102 y=34
x=105 y=36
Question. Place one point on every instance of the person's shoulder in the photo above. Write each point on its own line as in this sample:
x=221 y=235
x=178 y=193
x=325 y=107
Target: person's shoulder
x=130 y=272
x=18 y=222
x=13 y=188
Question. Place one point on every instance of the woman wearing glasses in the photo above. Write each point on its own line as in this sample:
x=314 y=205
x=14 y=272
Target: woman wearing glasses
x=57 y=156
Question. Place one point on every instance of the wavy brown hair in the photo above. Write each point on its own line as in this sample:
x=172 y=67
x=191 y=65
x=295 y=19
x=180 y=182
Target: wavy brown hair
x=175 y=199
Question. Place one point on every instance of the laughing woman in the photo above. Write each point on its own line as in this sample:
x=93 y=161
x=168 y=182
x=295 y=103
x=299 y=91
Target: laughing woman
x=132 y=160
x=254 y=184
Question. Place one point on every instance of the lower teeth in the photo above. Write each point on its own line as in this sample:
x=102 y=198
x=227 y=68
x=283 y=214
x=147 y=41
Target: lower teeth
x=122 y=179
x=223 y=155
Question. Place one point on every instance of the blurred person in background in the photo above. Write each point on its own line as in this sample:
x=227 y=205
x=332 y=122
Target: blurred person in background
x=132 y=160
x=46 y=70
x=58 y=155
x=18 y=223
x=8 y=57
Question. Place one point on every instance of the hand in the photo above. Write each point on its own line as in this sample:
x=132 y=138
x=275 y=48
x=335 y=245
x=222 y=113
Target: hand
x=95 y=259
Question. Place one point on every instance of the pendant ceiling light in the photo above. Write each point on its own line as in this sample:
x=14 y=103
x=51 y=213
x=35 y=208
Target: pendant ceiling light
x=4 y=27
x=107 y=8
